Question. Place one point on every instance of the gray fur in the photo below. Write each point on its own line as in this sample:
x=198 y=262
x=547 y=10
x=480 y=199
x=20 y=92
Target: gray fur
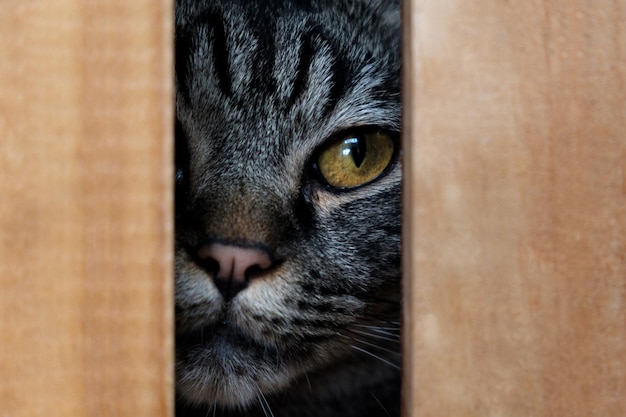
x=261 y=85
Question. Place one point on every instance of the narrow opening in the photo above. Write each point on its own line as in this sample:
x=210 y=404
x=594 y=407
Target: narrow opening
x=288 y=117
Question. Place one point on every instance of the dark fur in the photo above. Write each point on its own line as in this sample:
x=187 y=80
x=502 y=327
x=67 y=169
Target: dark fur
x=261 y=85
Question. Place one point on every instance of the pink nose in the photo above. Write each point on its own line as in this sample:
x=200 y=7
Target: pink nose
x=234 y=264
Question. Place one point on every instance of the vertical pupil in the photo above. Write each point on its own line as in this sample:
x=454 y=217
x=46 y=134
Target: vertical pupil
x=355 y=147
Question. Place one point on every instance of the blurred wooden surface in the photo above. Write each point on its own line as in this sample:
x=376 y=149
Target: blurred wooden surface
x=85 y=208
x=516 y=208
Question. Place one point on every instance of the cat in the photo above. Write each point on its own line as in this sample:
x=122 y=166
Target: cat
x=288 y=213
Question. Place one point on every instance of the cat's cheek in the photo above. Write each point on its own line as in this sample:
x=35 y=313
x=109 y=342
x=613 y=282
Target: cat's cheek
x=198 y=303
x=263 y=309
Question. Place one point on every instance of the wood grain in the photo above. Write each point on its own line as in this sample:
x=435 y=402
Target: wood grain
x=515 y=204
x=85 y=208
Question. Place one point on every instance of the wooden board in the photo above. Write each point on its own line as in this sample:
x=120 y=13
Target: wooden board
x=85 y=208
x=516 y=208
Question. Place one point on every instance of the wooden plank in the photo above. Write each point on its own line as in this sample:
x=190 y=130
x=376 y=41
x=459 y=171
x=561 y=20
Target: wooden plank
x=85 y=212
x=516 y=208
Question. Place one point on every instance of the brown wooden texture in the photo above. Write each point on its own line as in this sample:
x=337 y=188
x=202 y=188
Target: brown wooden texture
x=515 y=155
x=85 y=208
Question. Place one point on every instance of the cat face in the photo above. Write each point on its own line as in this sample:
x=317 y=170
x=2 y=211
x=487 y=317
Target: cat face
x=288 y=190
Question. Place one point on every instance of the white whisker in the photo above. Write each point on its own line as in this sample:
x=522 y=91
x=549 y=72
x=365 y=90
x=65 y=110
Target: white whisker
x=381 y=404
x=379 y=328
x=267 y=410
x=258 y=397
x=377 y=336
x=395 y=352
x=214 y=410
x=375 y=356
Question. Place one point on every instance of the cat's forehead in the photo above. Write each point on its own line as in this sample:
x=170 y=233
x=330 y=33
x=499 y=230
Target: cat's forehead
x=284 y=71
x=254 y=85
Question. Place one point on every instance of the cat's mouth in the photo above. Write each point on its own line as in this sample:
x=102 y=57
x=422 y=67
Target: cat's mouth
x=219 y=334
x=221 y=364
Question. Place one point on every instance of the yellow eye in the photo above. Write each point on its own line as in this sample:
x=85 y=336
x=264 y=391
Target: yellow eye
x=355 y=159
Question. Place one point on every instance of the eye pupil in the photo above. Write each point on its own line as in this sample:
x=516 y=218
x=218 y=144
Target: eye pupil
x=356 y=148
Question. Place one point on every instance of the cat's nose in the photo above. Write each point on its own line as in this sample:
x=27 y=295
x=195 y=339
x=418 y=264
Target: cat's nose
x=232 y=265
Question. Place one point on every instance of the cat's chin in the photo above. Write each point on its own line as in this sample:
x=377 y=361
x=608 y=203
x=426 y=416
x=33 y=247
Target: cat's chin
x=220 y=365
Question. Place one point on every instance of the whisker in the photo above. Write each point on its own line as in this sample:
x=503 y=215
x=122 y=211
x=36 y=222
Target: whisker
x=376 y=356
x=381 y=404
x=258 y=397
x=267 y=410
x=308 y=381
x=391 y=331
x=395 y=352
x=379 y=328
x=377 y=336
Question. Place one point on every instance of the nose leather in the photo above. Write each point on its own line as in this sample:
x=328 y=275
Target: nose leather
x=234 y=265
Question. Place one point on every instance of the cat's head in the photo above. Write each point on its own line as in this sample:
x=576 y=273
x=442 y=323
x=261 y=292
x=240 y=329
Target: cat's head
x=288 y=189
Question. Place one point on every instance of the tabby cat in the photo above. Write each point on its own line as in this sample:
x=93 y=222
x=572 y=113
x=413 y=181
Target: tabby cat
x=288 y=213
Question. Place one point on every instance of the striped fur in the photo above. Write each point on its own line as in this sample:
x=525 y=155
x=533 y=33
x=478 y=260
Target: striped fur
x=261 y=85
